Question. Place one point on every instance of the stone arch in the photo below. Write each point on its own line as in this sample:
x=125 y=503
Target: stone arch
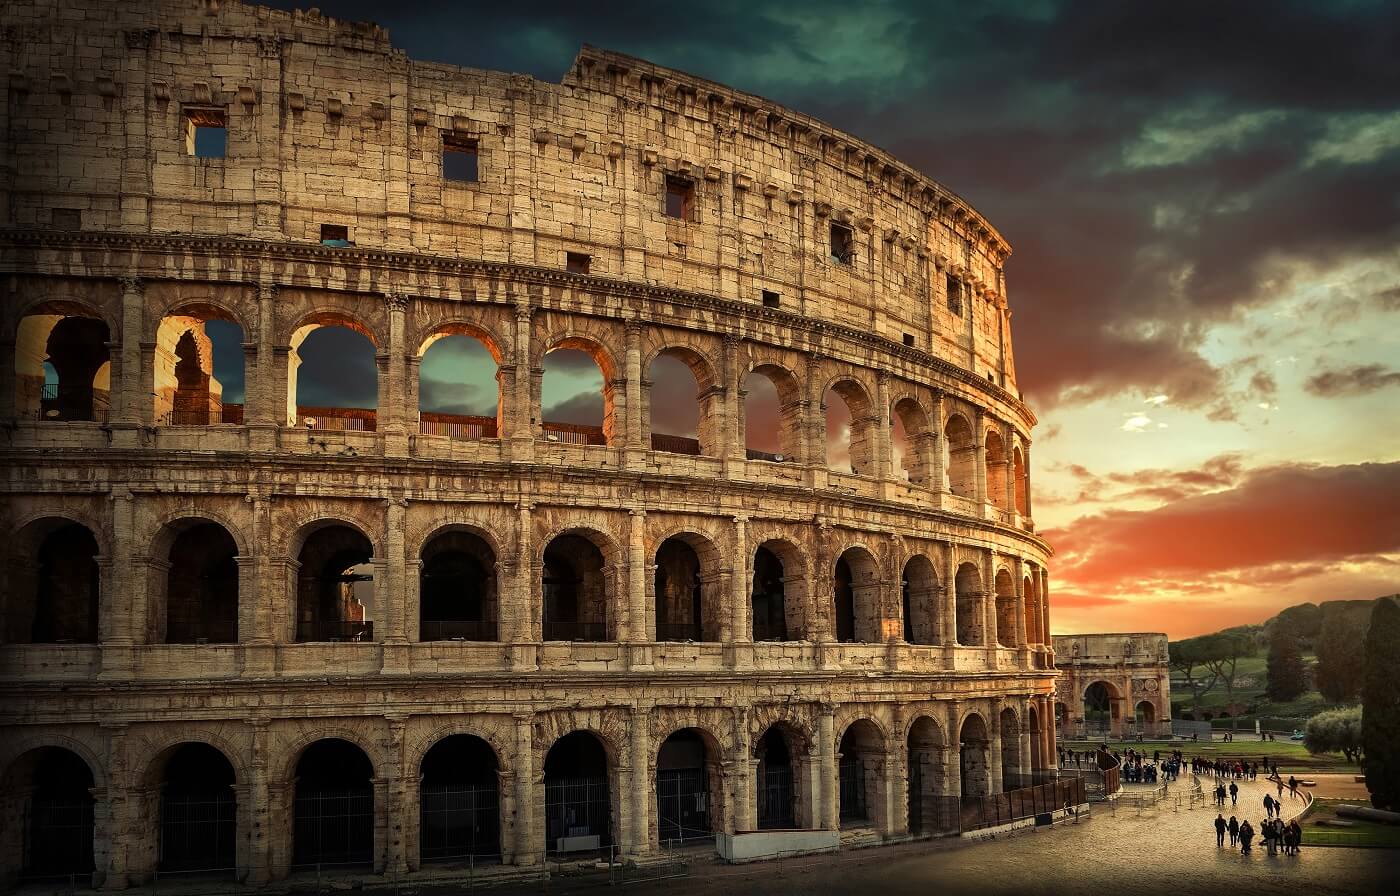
x=581 y=582
x=295 y=743
x=1009 y=727
x=708 y=397
x=778 y=591
x=156 y=744
x=974 y=743
x=778 y=440
x=335 y=561
x=350 y=419
x=919 y=597
x=687 y=600
x=960 y=456
x=861 y=772
x=493 y=733
x=857 y=597
x=65 y=341
x=458 y=594
x=970 y=627
x=330 y=316
x=160 y=534
x=190 y=794
x=454 y=423
x=1030 y=609
x=927 y=750
x=54 y=581
x=459 y=799
x=309 y=523
x=860 y=444
x=92 y=755
x=420 y=537
x=1101 y=703
x=1008 y=608
x=183 y=385
x=194 y=585
x=910 y=454
x=595 y=348
x=581 y=793
x=473 y=329
x=783 y=752
x=688 y=785
x=996 y=461
x=50 y=792
x=334 y=781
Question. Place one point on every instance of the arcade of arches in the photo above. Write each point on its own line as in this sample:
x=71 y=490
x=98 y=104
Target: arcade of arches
x=108 y=805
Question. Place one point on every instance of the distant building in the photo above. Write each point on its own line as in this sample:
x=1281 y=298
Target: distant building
x=1112 y=685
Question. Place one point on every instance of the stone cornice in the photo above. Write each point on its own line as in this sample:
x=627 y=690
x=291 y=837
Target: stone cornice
x=397 y=274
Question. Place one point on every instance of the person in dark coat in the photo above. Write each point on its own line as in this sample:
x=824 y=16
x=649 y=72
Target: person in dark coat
x=1220 y=830
x=1234 y=828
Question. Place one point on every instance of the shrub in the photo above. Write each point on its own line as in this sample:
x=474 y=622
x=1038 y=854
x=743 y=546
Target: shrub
x=1335 y=731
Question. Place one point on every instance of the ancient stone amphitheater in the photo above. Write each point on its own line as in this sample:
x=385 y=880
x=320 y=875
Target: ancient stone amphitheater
x=256 y=636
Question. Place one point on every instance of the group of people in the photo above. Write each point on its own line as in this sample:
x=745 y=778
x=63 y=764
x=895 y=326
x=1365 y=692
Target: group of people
x=1278 y=836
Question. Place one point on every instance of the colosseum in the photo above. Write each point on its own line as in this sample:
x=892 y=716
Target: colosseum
x=249 y=631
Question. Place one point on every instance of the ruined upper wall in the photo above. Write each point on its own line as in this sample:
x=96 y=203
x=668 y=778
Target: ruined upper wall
x=1134 y=647
x=329 y=124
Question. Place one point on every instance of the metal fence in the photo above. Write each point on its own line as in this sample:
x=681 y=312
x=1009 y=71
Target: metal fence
x=333 y=827
x=458 y=427
x=775 y=798
x=576 y=809
x=976 y=812
x=324 y=630
x=459 y=820
x=675 y=444
x=573 y=433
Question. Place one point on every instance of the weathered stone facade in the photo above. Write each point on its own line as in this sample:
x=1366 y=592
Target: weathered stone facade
x=1130 y=678
x=182 y=571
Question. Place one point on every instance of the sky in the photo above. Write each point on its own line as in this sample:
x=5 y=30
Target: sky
x=1203 y=200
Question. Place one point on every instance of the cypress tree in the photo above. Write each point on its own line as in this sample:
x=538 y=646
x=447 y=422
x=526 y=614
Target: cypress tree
x=1287 y=679
x=1380 y=705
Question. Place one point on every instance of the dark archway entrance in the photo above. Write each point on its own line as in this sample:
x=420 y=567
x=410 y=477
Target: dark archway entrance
x=684 y=806
x=577 y=795
x=333 y=818
x=575 y=591
x=679 y=602
x=457 y=589
x=777 y=790
x=198 y=811
x=460 y=816
x=768 y=597
x=201 y=591
x=975 y=755
x=59 y=605
x=58 y=813
x=335 y=587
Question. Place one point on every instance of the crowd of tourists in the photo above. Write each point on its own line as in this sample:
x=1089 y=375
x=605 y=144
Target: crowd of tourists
x=1279 y=837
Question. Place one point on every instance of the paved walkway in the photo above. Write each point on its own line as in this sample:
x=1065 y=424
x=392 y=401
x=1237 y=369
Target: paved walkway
x=1144 y=853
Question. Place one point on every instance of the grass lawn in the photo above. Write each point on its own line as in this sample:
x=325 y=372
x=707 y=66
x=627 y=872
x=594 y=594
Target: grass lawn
x=1290 y=756
x=1355 y=833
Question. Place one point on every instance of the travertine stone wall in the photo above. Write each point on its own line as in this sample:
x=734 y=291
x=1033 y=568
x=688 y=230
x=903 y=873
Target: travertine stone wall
x=108 y=219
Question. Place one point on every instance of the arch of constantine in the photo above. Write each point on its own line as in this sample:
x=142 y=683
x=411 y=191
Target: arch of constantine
x=1112 y=685
x=242 y=628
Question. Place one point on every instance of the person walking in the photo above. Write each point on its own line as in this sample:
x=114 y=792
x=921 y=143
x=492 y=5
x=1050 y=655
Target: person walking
x=1270 y=830
x=1293 y=786
x=1234 y=829
x=1279 y=781
x=1268 y=806
x=1295 y=834
x=1246 y=837
x=1220 y=830
x=1234 y=793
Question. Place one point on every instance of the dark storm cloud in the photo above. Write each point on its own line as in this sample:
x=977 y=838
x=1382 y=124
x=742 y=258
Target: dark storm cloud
x=337 y=370
x=1358 y=380
x=585 y=409
x=451 y=397
x=1158 y=166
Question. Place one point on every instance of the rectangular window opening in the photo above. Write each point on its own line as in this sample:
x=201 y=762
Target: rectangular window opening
x=843 y=244
x=909 y=339
x=680 y=198
x=206 y=133
x=459 y=159
x=335 y=235
x=577 y=262
x=771 y=299
x=954 y=294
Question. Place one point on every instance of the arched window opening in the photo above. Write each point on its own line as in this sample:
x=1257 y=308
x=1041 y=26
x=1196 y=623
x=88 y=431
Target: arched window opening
x=336 y=598
x=839 y=433
x=777 y=784
x=48 y=834
x=772 y=415
x=54 y=600
x=459 y=387
x=1011 y=772
x=199 y=376
x=1018 y=465
x=333 y=813
x=1030 y=611
x=459 y=802
x=856 y=598
x=457 y=596
x=576 y=398
x=682 y=613
x=201 y=591
x=333 y=378
x=968 y=607
x=1145 y=715
x=1100 y=707
x=676 y=406
x=975 y=757
x=687 y=778
x=961 y=458
x=577 y=795
x=769 y=599
x=576 y=591
x=198 y=811
x=1007 y=607
x=996 y=470
x=929 y=811
x=909 y=438
x=860 y=771
x=1037 y=745
x=920 y=598
x=62 y=365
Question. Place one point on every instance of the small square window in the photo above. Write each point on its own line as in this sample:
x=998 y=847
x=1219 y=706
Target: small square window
x=680 y=198
x=909 y=339
x=577 y=262
x=335 y=235
x=66 y=219
x=459 y=159
x=771 y=299
x=843 y=244
x=954 y=294
x=206 y=133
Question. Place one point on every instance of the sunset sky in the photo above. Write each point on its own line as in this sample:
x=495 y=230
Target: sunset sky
x=1204 y=205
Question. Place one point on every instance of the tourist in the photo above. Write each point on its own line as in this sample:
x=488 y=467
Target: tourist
x=1293 y=786
x=1268 y=806
x=1246 y=836
x=1234 y=793
x=1269 y=830
x=1295 y=836
x=1234 y=828
x=1220 y=830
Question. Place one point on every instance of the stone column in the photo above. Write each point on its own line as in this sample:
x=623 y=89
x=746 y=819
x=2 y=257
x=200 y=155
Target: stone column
x=253 y=813
x=896 y=821
x=114 y=830
x=402 y=809
x=827 y=805
x=952 y=764
x=264 y=407
x=1026 y=735
x=733 y=429
x=520 y=410
x=1026 y=459
x=884 y=439
x=520 y=616
x=948 y=607
x=636 y=609
x=1019 y=590
x=938 y=474
x=994 y=784
x=989 y=609
x=529 y=849
x=643 y=784
x=633 y=437
x=121 y=592
x=814 y=428
x=741 y=586
x=1009 y=471
x=980 y=454
x=1045 y=610
x=392 y=398
x=125 y=412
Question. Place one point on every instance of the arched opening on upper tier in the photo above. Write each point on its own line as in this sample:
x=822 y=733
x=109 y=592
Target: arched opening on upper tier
x=332 y=375
x=199 y=370
x=850 y=428
x=919 y=589
x=909 y=435
x=201 y=585
x=1007 y=608
x=577 y=404
x=772 y=414
x=968 y=606
x=459 y=384
x=688 y=604
x=960 y=459
x=457 y=588
x=996 y=470
x=337 y=597
x=856 y=597
x=578 y=588
x=684 y=408
x=63 y=369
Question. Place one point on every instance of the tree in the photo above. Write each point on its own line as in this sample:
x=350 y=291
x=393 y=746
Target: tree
x=1287 y=680
x=1222 y=653
x=1184 y=657
x=1380 y=701
x=1335 y=731
x=1341 y=664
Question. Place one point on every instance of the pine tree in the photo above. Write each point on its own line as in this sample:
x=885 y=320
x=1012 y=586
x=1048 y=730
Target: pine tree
x=1287 y=679
x=1340 y=668
x=1380 y=705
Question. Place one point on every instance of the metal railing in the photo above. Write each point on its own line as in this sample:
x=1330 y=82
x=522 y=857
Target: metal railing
x=575 y=631
x=457 y=630
x=458 y=427
x=335 y=631
x=675 y=444
x=338 y=419
x=217 y=413
x=573 y=433
x=1027 y=802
